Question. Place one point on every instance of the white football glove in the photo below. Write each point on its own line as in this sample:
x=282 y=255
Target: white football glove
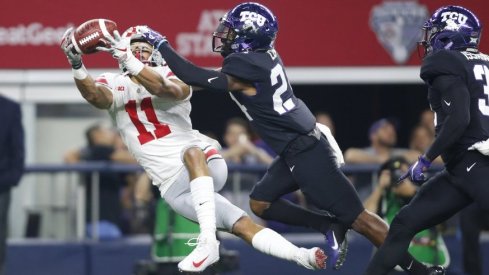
x=120 y=49
x=66 y=45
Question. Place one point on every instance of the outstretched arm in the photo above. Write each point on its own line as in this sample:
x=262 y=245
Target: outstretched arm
x=151 y=80
x=190 y=73
x=161 y=86
x=96 y=95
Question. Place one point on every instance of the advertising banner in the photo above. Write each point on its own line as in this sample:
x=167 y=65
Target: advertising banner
x=311 y=33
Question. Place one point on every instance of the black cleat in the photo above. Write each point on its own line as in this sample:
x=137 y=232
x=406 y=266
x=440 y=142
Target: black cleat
x=436 y=270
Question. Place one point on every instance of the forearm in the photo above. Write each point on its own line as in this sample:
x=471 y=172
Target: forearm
x=160 y=86
x=453 y=128
x=453 y=90
x=90 y=91
x=191 y=74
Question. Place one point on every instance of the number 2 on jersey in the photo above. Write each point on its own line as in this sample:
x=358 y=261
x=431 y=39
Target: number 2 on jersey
x=479 y=71
x=279 y=105
x=145 y=136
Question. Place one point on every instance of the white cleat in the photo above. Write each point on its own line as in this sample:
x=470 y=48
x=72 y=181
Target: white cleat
x=205 y=254
x=313 y=258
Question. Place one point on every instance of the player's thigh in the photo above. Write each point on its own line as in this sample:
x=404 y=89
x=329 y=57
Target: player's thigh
x=436 y=201
x=324 y=184
x=473 y=176
x=276 y=182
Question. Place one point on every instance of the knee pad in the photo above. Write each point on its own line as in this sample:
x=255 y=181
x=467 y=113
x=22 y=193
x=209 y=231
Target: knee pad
x=219 y=173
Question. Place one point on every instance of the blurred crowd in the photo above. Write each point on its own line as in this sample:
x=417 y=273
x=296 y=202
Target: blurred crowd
x=128 y=200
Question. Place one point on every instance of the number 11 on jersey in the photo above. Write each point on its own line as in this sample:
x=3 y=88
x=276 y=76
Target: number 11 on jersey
x=145 y=136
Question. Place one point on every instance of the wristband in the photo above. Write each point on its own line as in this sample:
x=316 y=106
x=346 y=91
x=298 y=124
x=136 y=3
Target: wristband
x=133 y=65
x=80 y=73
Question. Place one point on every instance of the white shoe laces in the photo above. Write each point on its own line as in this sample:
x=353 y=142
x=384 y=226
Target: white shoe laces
x=194 y=241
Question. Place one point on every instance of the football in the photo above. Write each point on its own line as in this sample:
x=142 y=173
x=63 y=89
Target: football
x=90 y=35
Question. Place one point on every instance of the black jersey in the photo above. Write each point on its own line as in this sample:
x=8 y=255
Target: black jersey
x=472 y=69
x=274 y=112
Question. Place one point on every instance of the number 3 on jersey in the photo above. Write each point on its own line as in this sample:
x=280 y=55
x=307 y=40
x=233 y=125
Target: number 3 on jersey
x=479 y=71
x=145 y=136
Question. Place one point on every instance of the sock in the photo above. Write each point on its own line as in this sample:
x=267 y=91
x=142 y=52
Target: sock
x=289 y=213
x=202 y=191
x=270 y=242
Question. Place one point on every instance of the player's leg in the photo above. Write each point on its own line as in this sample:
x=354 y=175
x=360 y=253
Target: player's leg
x=202 y=190
x=203 y=202
x=231 y=218
x=475 y=217
x=325 y=185
x=265 y=200
x=435 y=202
x=470 y=227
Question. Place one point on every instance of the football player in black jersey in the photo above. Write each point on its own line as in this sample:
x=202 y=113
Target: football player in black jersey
x=457 y=75
x=254 y=75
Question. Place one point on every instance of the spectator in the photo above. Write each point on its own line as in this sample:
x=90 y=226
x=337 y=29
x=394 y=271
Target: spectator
x=383 y=138
x=388 y=198
x=326 y=119
x=472 y=220
x=102 y=145
x=240 y=147
x=427 y=119
x=421 y=138
x=11 y=164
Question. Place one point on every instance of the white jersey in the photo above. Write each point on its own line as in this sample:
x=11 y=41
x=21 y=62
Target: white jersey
x=155 y=130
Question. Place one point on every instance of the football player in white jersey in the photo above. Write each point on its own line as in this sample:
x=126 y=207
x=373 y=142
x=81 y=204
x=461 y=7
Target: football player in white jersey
x=151 y=108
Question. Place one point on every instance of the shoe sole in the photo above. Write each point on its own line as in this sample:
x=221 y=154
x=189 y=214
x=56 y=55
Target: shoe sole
x=196 y=272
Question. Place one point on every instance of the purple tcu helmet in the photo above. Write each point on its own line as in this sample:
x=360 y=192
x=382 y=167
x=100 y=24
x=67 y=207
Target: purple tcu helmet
x=247 y=27
x=451 y=28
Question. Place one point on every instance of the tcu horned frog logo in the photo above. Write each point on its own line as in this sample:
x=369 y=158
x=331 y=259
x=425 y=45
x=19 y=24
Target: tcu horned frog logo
x=454 y=20
x=249 y=18
x=397 y=25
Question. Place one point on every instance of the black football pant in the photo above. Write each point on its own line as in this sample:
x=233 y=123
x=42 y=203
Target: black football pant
x=472 y=221
x=438 y=199
x=309 y=165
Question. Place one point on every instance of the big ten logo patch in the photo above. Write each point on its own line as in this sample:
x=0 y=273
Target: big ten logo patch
x=456 y=17
x=249 y=17
x=199 y=43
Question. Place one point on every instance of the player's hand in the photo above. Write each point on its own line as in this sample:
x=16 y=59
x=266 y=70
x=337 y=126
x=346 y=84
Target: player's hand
x=67 y=46
x=119 y=48
x=416 y=172
x=152 y=36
